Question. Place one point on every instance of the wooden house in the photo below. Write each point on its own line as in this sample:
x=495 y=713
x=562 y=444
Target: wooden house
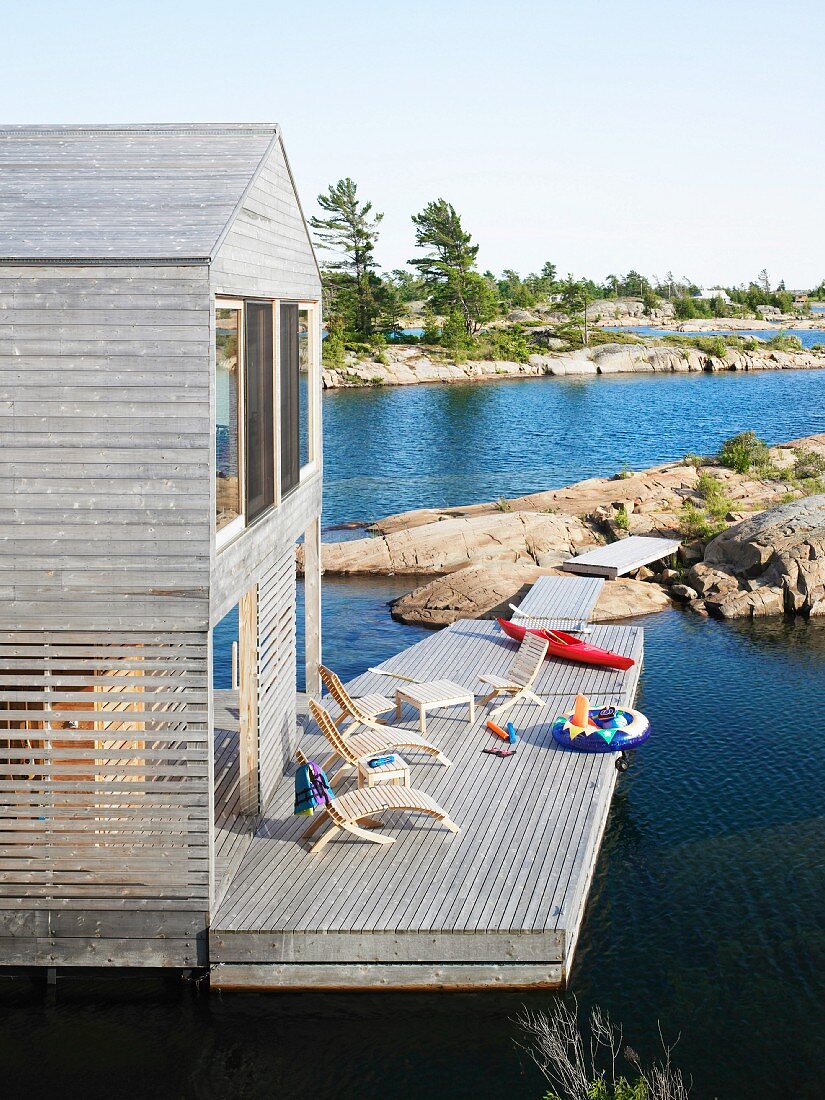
x=161 y=456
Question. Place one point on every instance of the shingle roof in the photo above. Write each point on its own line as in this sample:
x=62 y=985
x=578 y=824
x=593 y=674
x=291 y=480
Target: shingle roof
x=124 y=192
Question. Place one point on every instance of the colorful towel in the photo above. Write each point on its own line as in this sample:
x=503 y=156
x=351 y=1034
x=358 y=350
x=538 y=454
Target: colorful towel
x=312 y=788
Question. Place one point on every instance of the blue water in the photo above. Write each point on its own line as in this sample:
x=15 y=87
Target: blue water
x=808 y=337
x=394 y=448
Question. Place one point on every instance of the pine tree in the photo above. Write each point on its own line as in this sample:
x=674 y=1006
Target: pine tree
x=448 y=268
x=351 y=230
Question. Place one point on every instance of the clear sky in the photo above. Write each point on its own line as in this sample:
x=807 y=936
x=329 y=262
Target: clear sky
x=599 y=135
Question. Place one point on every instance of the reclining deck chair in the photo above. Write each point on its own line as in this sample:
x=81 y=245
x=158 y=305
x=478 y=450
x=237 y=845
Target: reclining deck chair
x=373 y=741
x=522 y=674
x=353 y=812
x=363 y=711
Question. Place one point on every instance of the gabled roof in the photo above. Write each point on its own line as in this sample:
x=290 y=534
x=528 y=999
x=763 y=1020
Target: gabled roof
x=117 y=193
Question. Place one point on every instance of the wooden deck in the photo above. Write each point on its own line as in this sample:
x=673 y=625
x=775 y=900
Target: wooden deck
x=499 y=904
x=563 y=602
x=618 y=558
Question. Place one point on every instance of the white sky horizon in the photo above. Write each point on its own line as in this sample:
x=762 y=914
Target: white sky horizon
x=600 y=136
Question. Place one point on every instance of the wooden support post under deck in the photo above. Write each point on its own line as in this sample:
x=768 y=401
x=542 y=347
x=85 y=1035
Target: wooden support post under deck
x=248 y=701
x=312 y=607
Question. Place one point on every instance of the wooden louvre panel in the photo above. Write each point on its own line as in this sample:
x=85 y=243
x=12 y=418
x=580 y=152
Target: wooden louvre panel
x=277 y=730
x=290 y=399
x=259 y=414
x=103 y=771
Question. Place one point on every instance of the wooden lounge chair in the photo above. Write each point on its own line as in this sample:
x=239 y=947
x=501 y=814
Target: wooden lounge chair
x=363 y=711
x=353 y=812
x=519 y=681
x=370 y=743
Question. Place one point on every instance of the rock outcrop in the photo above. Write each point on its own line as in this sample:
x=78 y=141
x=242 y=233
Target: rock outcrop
x=486 y=591
x=531 y=538
x=777 y=559
x=479 y=558
x=407 y=366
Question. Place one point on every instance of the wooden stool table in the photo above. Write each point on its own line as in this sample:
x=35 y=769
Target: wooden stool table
x=431 y=695
x=397 y=774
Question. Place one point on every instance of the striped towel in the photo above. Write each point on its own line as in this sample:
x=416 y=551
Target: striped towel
x=312 y=789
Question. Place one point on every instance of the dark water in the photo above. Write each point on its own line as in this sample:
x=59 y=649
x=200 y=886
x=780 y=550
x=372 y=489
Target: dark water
x=707 y=913
x=807 y=336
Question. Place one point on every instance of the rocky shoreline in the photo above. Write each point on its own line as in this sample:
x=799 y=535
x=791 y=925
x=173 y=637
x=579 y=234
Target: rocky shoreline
x=768 y=556
x=410 y=365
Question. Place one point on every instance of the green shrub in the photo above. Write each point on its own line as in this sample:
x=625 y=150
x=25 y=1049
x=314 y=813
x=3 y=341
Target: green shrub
x=695 y=523
x=693 y=460
x=622 y=518
x=751 y=343
x=509 y=344
x=783 y=341
x=809 y=465
x=712 y=345
x=712 y=491
x=332 y=349
x=745 y=452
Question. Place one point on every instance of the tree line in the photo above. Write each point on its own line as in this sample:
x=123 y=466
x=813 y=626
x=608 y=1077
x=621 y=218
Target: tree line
x=364 y=305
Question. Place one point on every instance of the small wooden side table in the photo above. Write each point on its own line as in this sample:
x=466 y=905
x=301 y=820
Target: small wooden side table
x=397 y=773
x=431 y=695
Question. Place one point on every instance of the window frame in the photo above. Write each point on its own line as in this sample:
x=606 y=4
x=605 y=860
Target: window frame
x=234 y=528
x=241 y=523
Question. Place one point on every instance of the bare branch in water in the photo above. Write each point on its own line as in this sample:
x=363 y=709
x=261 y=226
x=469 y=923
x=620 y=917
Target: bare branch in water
x=574 y=1072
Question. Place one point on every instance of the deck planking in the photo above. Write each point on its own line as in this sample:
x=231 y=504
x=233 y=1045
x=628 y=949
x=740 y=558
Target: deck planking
x=560 y=601
x=617 y=558
x=508 y=892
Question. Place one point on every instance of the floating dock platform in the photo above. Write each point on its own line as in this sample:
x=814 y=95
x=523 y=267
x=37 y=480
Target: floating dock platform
x=499 y=904
x=624 y=556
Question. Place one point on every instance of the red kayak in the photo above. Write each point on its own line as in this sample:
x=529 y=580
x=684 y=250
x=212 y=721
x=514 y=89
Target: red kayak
x=565 y=645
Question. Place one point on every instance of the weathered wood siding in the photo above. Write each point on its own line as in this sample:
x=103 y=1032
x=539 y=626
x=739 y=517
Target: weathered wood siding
x=106 y=444
x=267 y=252
x=104 y=798
x=277 y=723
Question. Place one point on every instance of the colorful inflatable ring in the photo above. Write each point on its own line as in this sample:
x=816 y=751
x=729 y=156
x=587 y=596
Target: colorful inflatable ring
x=628 y=729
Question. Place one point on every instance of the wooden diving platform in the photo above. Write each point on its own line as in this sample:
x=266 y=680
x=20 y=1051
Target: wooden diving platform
x=560 y=602
x=618 y=558
x=500 y=904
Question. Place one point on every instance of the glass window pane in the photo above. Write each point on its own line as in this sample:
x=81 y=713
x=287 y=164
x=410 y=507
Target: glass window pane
x=227 y=461
x=259 y=414
x=305 y=384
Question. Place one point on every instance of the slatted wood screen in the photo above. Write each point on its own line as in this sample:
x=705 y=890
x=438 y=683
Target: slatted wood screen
x=104 y=773
x=276 y=671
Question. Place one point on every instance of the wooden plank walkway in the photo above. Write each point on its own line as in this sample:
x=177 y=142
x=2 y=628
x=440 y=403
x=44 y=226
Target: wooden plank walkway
x=563 y=602
x=498 y=904
x=618 y=558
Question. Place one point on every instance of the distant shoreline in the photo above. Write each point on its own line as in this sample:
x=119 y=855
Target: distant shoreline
x=411 y=365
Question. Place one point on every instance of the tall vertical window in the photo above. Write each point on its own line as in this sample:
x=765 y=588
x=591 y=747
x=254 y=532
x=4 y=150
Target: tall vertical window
x=259 y=412
x=305 y=383
x=228 y=352
x=290 y=398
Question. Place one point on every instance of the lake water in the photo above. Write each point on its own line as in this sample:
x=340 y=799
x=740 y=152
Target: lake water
x=807 y=336
x=707 y=911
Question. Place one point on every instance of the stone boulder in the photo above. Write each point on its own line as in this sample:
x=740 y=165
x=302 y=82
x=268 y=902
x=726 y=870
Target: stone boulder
x=487 y=590
x=778 y=557
x=531 y=538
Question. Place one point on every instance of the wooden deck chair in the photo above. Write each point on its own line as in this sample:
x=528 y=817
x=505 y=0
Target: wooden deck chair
x=522 y=673
x=363 y=711
x=374 y=741
x=353 y=812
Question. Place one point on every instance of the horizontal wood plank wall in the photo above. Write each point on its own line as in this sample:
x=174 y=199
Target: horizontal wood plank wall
x=277 y=724
x=105 y=449
x=267 y=252
x=104 y=798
